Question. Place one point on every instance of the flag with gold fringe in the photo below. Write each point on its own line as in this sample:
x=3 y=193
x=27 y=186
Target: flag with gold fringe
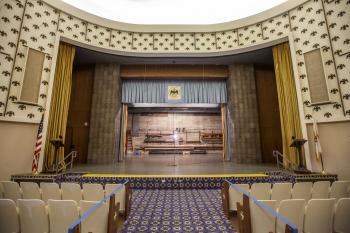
x=37 y=149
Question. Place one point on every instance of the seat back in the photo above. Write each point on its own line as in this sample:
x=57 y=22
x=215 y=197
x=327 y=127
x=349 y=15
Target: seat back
x=261 y=191
x=339 y=189
x=318 y=216
x=9 y=221
x=71 y=191
x=50 y=191
x=30 y=190
x=262 y=221
x=62 y=214
x=93 y=192
x=97 y=221
x=1 y=191
x=12 y=190
x=302 y=190
x=33 y=216
x=281 y=191
x=236 y=196
x=341 y=221
x=320 y=190
x=119 y=195
x=293 y=211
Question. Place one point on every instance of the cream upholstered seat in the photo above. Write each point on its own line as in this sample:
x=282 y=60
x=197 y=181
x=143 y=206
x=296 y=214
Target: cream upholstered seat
x=261 y=191
x=12 y=190
x=236 y=196
x=9 y=221
x=33 y=216
x=1 y=191
x=293 y=211
x=62 y=213
x=318 y=216
x=71 y=191
x=281 y=191
x=119 y=195
x=302 y=190
x=50 y=191
x=262 y=221
x=320 y=190
x=97 y=221
x=341 y=222
x=340 y=189
x=30 y=190
x=93 y=192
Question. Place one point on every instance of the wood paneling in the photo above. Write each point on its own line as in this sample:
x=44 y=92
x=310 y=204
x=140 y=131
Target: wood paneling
x=78 y=124
x=174 y=71
x=269 y=118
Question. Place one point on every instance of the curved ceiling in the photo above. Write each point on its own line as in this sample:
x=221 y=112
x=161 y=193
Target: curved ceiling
x=174 y=11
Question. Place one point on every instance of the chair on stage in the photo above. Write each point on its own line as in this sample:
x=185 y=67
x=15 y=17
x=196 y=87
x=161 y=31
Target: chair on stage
x=30 y=190
x=33 y=216
x=9 y=220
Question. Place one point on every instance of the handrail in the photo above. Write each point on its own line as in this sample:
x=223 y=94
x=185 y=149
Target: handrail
x=62 y=165
x=266 y=208
x=85 y=215
x=278 y=154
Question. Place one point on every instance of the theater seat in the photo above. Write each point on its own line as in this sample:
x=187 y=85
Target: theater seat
x=93 y=192
x=339 y=189
x=62 y=213
x=12 y=190
x=71 y=191
x=341 y=222
x=302 y=190
x=97 y=221
x=318 y=216
x=261 y=191
x=119 y=196
x=293 y=211
x=33 y=216
x=30 y=190
x=1 y=191
x=320 y=190
x=281 y=191
x=262 y=221
x=9 y=221
x=236 y=196
x=50 y=191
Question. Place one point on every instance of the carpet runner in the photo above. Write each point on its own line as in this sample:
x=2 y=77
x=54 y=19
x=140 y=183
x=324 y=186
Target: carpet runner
x=176 y=210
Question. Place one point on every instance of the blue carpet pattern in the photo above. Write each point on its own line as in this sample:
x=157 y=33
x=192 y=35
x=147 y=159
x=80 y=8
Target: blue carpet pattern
x=176 y=210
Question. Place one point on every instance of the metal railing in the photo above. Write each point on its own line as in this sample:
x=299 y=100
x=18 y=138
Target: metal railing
x=243 y=212
x=62 y=164
x=113 y=210
x=281 y=159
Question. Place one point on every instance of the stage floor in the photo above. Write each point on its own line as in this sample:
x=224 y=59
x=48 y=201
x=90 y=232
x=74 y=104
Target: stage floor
x=175 y=165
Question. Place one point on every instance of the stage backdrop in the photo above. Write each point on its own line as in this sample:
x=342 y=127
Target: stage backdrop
x=179 y=91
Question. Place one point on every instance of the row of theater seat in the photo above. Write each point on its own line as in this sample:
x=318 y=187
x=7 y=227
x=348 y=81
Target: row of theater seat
x=282 y=191
x=34 y=216
x=65 y=191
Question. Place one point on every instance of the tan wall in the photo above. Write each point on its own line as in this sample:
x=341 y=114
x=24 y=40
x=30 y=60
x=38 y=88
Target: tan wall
x=335 y=143
x=16 y=148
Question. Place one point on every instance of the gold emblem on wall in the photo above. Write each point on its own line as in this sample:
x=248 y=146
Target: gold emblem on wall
x=174 y=92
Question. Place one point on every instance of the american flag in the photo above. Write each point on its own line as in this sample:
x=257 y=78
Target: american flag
x=37 y=149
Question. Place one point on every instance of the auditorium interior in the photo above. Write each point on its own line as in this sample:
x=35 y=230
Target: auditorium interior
x=150 y=116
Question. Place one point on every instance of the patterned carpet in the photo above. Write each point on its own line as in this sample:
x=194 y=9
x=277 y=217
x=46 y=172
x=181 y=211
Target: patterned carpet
x=176 y=210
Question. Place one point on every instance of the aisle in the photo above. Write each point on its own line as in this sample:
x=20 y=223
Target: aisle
x=177 y=210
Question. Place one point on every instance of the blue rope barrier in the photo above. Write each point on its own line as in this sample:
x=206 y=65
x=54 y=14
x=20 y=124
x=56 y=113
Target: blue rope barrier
x=266 y=208
x=77 y=222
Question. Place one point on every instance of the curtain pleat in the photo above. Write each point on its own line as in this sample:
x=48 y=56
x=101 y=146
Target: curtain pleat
x=287 y=100
x=155 y=91
x=59 y=102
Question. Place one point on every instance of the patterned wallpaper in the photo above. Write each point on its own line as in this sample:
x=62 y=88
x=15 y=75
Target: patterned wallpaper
x=315 y=24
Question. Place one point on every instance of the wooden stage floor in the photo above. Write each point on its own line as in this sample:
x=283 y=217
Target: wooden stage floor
x=175 y=165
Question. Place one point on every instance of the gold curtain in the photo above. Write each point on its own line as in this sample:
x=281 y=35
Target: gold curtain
x=59 y=102
x=287 y=100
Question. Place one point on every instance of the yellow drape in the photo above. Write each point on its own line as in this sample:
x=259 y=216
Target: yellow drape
x=59 y=101
x=287 y=100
